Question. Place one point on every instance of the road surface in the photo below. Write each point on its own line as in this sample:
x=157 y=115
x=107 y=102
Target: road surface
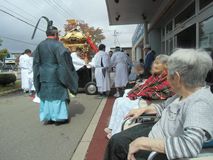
x=23 y=137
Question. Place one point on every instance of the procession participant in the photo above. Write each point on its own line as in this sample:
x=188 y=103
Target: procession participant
x=119 y=61
x=23 y=64
x=80 y=66
x=111 y=71
x=36 y=99
x=149 y=58
x=54 y=75
x=101 y=62
x=110 y=53
x=78 y=62
x=30 y=75
x=129 y=63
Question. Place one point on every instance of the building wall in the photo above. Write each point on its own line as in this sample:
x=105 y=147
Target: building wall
x=198 y=27
x=155 y=39
x=180 y=34
x=138 y=53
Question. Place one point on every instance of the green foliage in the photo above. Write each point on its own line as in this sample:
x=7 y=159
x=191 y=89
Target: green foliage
x=3 y=53
x=7 y=78
x=1 y=42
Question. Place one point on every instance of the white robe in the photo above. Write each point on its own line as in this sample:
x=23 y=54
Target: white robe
x=121 y=107
x=36 y=99
x=30 y=74
x=119 y=61
x=77 y=61
x=24 y=66
x=102 y=82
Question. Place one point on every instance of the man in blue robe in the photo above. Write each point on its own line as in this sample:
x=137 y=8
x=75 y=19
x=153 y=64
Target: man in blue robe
x=54 y=77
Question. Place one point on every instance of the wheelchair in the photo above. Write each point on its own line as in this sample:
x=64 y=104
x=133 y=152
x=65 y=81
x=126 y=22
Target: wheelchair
x=206 y=152
x=86 y=80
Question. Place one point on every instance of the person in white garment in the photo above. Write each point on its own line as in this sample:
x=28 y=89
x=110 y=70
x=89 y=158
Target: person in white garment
x=101 y=62
x=23 y=64
x=78 y=62
x=119 y=61
x=29 y=62
x=30 y=75
x=80 y=65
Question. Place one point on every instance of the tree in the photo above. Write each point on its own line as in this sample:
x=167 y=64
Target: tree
x=96 y=34
x=1 y=42
x=3 y=54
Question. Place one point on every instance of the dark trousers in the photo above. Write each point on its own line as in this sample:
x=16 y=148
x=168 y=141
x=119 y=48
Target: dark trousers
x=118 y=146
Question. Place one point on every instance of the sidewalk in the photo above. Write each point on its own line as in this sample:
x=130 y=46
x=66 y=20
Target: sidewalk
x=93 y=143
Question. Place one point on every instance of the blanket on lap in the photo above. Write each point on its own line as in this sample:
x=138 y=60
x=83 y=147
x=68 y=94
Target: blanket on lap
x=156 y=87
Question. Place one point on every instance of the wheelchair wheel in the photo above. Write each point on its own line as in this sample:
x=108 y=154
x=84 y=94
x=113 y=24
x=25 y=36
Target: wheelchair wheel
x=91 y=88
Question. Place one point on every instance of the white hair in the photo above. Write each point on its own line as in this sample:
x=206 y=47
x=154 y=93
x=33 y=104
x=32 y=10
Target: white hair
x=162 y=58
x=192 y=65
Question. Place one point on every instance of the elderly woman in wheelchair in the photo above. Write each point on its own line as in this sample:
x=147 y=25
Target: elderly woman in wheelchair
x=155 y=88
x=185 y=120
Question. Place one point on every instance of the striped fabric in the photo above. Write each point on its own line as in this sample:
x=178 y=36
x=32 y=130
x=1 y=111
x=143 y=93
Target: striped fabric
x=185 y=125
x=188 y=144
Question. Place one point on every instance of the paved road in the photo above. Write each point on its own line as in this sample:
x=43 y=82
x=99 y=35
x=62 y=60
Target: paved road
x=23 y=137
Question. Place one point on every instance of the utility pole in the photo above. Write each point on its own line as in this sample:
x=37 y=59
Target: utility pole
x=116 y=41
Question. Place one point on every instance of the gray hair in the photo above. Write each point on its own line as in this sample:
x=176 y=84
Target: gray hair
x=138 y=64
x=192 y=65
x=163 y=58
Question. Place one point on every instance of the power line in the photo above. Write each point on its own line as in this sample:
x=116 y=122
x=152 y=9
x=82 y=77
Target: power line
x=15 y=12
x=66 y=10
x=16 y=40
x=34 y=2
x=19 y=19
x=46 y=2
x=31 y=17
x=120 y=32
x=61 y=8
x=116 y=41
x=20 y=9
x=55 y=7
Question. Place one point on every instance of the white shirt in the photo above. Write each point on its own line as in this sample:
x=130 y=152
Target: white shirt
x=24 y=61
x=77 y=61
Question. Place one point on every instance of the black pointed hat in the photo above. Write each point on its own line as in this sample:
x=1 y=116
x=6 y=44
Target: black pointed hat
x=50 y=28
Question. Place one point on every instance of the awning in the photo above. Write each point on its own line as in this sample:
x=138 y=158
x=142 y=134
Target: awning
x=122 y=12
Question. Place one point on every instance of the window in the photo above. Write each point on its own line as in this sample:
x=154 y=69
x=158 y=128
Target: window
x=185 y=14
x=169 y=46
x=163 y=33
x=204 y=3
x=206 y=33
x=163 y=47
x=169 y=27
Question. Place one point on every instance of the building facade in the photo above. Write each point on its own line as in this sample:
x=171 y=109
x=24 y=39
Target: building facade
x=166 y=24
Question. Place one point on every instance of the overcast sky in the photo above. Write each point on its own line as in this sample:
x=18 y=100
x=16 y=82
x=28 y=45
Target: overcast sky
x=93 y=12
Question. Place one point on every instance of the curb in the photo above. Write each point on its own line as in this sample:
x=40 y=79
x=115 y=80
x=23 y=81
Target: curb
x=83 y=145
x=9 y=91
